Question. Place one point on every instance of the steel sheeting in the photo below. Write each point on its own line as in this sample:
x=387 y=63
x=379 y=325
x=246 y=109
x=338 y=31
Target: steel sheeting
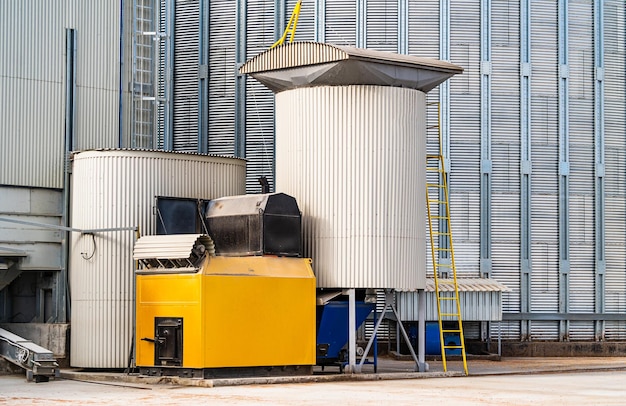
x=185 y=75
x=222 y=77
x=341 y=22
x=32 y=82
x=117 y=188
x=356 y=167
x=424 y=28
x=382 y=25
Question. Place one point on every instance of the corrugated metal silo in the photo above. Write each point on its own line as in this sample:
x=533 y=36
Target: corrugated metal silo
x=116 y=189
x=351 y=147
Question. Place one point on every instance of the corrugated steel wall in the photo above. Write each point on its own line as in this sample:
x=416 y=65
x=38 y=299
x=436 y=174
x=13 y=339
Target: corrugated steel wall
x=221 y=77
x=117 y=189
x=377 y=22
x=32 y=82
x=615 y=128
x=186 y=59
x=354 y=156
x=259 y=124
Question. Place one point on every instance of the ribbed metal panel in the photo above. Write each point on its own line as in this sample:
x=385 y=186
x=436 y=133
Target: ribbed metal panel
x=480 y=300
x=355 y=156
x=464 y=154
x=97 y=24
x=581 y=180
x=305 y=31
x=544 y=330
x=341 y=22
x=222 y=77
x=475 y=306
x=186 y=57
x=259 y=100
x=382 y=25
x=545 y=158
x=32 y=82
x=615 y=150
x=117 y=188
x=424 y=29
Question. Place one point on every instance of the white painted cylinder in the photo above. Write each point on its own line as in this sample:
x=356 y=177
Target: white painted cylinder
x=354 y=159
x=117 y=188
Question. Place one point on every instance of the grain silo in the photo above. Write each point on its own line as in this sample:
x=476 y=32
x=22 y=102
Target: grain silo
x=351 y=147
x=114 y=193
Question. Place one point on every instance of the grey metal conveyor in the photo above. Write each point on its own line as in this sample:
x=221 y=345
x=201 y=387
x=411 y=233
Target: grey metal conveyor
x=38 y=362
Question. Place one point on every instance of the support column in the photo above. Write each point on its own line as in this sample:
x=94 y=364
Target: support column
x=361 y=23
x=564 y=261
x=485 y=139
x=240 y=80
x=403 y=27
x=203 y=78
x=421 y=331
x=525 y=169
x=444 y=112
x=320 y=21
x=600 y=227
x=168 y=69
x=351 y=367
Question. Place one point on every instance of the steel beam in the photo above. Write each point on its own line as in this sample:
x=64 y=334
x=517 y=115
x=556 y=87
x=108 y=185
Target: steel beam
x=203 y=78
x=600 y=226
x=598 y=317
x=168 y=69
x=403 y=27
x=361 y=23
x=485 y=139
x=240 y=80
x=564 y=200
x=320 y=21
x=525 y=168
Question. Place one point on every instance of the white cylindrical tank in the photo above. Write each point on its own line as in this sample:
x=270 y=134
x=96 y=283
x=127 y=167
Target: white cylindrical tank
x=117 y=189
x=354 y=158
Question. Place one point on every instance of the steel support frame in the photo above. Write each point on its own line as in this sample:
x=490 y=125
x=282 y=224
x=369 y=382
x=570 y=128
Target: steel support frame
x=486 y=162
x=599 y=138
x=525 y=168
x=240 y=80
x=564 y=166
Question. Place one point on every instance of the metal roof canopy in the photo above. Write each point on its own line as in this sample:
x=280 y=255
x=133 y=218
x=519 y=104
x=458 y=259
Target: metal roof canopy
x=309 y=64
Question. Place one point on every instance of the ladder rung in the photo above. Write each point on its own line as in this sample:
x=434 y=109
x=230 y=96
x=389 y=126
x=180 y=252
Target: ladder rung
x=452 y=346
x=451 y=331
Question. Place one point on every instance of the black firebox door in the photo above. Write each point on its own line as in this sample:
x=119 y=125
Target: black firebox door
x=168 y=341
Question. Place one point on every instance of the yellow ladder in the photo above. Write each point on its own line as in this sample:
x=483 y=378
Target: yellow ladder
x=442 y=251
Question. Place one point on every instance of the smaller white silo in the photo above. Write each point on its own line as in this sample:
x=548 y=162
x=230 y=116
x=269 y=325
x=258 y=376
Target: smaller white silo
x=351 y=148
x=114 y=189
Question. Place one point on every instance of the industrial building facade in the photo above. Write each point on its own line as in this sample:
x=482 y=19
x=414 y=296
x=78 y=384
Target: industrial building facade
x=534 y=130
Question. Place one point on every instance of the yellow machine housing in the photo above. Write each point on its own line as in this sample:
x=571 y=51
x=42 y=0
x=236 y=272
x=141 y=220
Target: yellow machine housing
x=226 y=312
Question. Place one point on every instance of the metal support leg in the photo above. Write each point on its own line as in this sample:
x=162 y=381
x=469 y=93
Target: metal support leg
x=351 y=367
x=421 y=331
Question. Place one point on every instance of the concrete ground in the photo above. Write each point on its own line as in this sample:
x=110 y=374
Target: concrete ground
x=511 y=381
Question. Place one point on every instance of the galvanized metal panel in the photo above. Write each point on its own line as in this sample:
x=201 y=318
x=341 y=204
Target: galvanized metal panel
x=32 y=78
x=341 y=22
x=355 y=156
x=424 y=28
x=305 y=30
x=117 y=188
x=222 y=77
x=259 y=100
x=475 y=306
x=186 y=59
x=615 y=150
x=97 y=25
x=382 y=25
